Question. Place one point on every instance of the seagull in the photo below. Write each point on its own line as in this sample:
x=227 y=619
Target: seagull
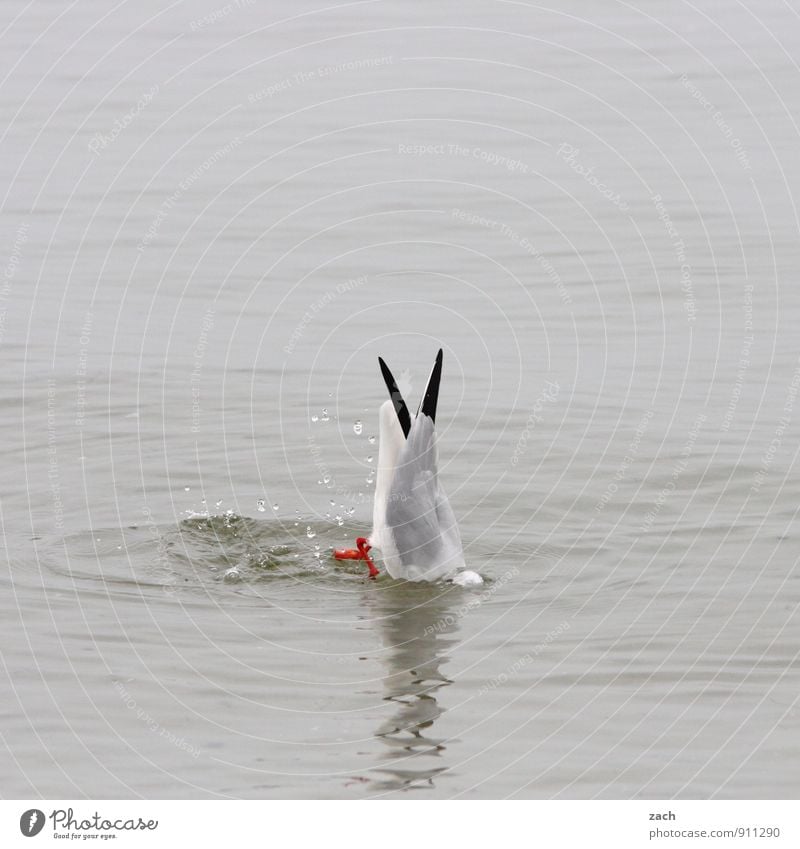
x=413 y=524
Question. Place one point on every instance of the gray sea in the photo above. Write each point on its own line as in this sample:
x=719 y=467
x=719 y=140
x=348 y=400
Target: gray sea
x=215 y=216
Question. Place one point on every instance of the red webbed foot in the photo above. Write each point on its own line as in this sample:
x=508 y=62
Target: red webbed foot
x=359 y=553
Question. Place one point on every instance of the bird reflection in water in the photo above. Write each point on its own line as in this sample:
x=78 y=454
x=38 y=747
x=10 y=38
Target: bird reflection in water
x=416 y=622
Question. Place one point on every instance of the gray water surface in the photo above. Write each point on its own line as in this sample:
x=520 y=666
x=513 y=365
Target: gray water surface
x=216 y=217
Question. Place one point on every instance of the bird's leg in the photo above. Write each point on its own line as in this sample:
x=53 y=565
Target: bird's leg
x=364 y=547
x=359 y=553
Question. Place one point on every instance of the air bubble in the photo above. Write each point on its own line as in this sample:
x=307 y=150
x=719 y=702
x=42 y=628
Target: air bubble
x=358 y=428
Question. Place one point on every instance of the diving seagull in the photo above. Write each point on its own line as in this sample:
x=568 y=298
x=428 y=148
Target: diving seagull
x=413 y=525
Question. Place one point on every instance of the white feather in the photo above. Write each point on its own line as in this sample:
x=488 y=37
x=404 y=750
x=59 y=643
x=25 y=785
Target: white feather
x=413 y=524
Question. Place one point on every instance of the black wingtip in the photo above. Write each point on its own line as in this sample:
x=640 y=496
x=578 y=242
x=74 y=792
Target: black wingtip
x=403 y=416
x=432 y=392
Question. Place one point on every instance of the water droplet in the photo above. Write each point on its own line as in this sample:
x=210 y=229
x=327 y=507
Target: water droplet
x=369 y=459
x=326 y=478
x=325 y=417
x=186 y=488
x=310 y=532
x=372 y=440
x=350 y=511
x=275 y=507
x=232 y=575
x=219 y=503
x=261 y=505
x=339 y=520
x=332 y=503
x=358 y=428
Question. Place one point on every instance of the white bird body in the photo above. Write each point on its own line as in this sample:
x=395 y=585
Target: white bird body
x=413 y=524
